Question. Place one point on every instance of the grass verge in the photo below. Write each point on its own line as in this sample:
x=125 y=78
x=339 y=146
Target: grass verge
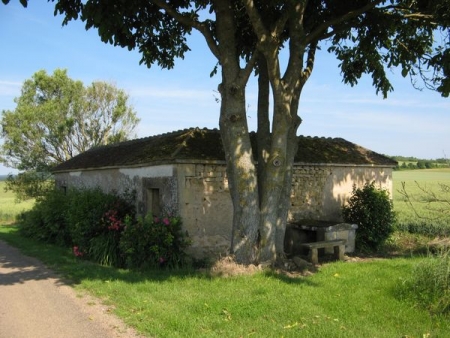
x=344 y=299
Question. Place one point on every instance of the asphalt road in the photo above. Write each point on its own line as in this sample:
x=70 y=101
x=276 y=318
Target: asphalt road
x=35 y=303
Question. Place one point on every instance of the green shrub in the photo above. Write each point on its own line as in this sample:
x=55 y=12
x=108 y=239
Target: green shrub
x=46 y=221
x=429 y=284
x=103 y=228
x=91 y=213
x=372 y=210
x=88 y=220
x=153 y=242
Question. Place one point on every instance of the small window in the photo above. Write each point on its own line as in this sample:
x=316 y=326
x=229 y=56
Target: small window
x=153 y=202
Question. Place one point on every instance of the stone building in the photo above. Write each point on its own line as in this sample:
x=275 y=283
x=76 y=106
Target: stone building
x=184 y=173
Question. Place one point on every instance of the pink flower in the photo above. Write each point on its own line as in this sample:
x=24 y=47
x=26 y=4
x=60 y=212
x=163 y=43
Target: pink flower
x=166 y=221
x=155 y=220
x=114 y=226
x=161 y=260
x=77 y=252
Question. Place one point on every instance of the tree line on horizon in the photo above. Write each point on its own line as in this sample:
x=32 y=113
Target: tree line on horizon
x=411 y=162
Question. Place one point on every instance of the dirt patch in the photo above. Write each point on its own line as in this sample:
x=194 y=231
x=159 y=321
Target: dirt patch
x=440 y=244
x=227 y=267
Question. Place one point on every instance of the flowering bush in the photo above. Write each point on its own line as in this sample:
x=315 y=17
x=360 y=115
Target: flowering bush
x=153 y=242
x=104 y=246
x=103 y=228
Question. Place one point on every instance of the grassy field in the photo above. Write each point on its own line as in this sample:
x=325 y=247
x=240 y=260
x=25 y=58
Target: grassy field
x=9 y=208
x=423 y=216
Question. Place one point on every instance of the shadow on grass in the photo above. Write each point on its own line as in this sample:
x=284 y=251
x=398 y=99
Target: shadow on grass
x=21 y=259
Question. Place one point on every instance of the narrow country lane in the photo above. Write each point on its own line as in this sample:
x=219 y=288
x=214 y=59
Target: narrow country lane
x=35 y=303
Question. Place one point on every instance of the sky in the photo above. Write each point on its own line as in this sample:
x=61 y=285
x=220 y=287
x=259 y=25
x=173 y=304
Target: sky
x=408 y=123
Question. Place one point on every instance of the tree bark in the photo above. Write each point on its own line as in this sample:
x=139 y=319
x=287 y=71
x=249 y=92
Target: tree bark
x=276 y=185
x=241 y=168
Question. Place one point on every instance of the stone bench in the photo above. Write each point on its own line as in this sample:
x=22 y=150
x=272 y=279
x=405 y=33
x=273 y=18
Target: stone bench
x=337 y=244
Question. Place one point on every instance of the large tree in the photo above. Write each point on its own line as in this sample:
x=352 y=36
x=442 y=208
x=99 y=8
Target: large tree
x=366 y=36
x=55 y=119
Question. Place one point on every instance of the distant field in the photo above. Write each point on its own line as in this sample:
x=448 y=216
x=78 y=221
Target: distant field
x=9 y=209
x=427 y=219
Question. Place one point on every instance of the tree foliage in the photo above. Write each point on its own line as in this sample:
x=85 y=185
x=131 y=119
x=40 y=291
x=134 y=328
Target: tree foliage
x=368 y=37
x=57 y=117
x=372 y=210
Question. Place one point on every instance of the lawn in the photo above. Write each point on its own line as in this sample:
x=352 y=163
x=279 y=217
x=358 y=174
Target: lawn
x=342 y=299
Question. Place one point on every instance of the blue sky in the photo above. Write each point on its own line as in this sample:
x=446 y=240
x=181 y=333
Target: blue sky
x=409 y=122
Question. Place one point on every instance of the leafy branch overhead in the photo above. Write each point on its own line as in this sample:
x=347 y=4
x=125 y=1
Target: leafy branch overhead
x=367 y=36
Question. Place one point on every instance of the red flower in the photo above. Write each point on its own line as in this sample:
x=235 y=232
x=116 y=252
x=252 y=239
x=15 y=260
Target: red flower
x=77 y=252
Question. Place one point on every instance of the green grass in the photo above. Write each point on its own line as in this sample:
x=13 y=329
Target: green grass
x=9 y=208
x=342 y=299
x=426 y=221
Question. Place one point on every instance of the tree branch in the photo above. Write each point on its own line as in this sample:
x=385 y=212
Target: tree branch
x=247 y=71
x=309 y=62
x=267 y=43
x=202 y=27
x=297 y=45
x=322 y=28
x=256 y=21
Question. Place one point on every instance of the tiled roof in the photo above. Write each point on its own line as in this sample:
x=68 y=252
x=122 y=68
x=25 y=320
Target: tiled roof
x=206 y=144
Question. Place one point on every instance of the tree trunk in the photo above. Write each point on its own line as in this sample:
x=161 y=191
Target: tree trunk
x=241 y=169
x=276 y=185
x=260 y=195
x=292 y=148
x=242 y=176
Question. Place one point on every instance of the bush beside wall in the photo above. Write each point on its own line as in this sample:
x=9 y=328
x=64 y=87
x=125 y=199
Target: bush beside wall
x=104 y=228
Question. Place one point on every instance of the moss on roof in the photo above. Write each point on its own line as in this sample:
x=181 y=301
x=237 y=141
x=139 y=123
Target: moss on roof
x=205 y=144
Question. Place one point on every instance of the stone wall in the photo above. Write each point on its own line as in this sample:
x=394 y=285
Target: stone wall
x=206 y=208
x=319 y=191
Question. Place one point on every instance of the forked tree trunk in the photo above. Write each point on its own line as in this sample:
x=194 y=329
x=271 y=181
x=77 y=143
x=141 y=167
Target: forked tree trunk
x=260 y=196
x=276 y=185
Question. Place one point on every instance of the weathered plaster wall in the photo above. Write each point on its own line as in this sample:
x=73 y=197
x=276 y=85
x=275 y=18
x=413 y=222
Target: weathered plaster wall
x=206 y=208
x=319 y=191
